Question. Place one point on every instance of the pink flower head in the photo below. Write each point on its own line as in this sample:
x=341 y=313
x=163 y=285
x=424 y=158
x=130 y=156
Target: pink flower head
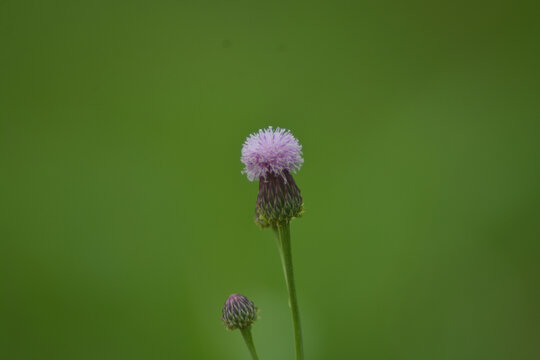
x=271 y=151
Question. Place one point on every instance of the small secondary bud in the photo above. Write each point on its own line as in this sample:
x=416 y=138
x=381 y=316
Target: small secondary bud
x=238 y=312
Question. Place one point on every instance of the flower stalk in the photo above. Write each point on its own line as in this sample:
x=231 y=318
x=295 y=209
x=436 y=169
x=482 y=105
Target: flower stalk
x=246 y=334
x=283 y=239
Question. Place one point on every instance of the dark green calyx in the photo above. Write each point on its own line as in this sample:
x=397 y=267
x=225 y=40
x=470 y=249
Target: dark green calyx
x=279 y=200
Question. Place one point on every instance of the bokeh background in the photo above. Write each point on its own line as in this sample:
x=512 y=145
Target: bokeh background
x=125 y=222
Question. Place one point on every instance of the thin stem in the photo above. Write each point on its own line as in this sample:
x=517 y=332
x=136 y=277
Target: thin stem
x=246 y=334
x=283 y=239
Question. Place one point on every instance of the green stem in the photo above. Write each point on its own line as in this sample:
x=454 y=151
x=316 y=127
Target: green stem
x=246 y=334
x=283 y=238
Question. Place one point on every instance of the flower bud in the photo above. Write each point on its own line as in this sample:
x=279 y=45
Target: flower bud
x=238 y=312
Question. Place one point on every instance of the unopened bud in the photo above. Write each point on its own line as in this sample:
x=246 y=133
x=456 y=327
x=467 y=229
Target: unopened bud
x=238 y=312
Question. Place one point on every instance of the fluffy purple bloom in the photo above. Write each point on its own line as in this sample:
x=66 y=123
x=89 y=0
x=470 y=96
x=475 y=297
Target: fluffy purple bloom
x=271 y=152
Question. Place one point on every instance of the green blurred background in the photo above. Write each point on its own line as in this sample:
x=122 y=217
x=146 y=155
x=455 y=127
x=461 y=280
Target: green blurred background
x=125 y=222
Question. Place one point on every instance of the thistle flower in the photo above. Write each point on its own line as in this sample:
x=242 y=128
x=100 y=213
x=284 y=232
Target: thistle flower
x=271 y=151
x=271 y=156
x=238 y=312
